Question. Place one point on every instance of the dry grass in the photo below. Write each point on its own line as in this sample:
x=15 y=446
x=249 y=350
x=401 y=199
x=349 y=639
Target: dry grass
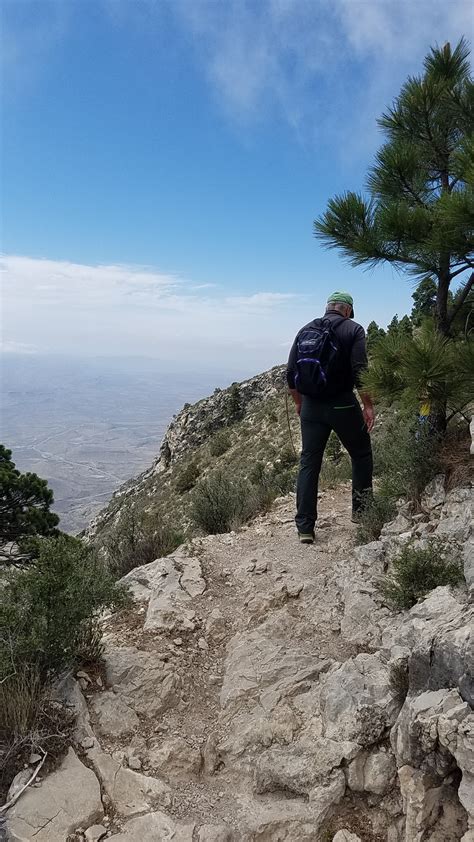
x=30 y=722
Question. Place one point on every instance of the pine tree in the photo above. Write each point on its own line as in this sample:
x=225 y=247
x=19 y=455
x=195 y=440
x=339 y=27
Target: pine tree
x=25 y=500
x=424 y=368
x=424 y=301
x=374 y=334
x=419 y=214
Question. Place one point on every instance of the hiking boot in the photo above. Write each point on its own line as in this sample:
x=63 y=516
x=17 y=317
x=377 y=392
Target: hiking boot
x=306 y=537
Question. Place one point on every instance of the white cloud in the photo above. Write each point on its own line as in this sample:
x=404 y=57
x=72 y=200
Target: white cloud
x=10 y=347
x=63 y=307
x=322 y=65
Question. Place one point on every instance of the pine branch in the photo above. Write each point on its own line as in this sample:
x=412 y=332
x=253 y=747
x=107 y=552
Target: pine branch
x=467 y=288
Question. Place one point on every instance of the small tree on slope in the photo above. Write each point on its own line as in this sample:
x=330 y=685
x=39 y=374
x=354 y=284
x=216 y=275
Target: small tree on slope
x=25 y=500
x=419 y=215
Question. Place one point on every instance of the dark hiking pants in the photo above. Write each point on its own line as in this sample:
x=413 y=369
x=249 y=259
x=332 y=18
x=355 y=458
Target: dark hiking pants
x=318 y=418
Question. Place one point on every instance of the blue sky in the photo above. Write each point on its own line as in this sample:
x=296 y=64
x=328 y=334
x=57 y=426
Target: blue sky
x=163 y=163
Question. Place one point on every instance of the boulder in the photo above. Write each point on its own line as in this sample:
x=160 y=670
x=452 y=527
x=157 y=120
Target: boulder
x=66 y=690
x=215 y=833
x=444 y=655
x=371 y=556
x=258 y=728
x=216 y=626
x=346 y=836
x=155 y=827
x=144 y=580
x=175 y=582
x=361 y=615
x=114 y=718
x=415 y=736
x=357 y=702
x=143 y=680
x=372 y=772
x=175 y=759
x=434 y=494
x=95 y=833
x=67 y=799
x=457 y=515
x=295 y=770
x=130 y=792
x=468 y=563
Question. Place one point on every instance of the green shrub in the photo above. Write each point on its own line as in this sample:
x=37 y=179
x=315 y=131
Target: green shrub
x=186 y=480
x=233 y=407
x=221 y=503
x=139 y=539
x=378 y=510
x=288 y=457
x=406 y=458
x=418 y=571
x=220 y=443
x=257 y=474
x=334 y=472
x=47 y=608
x=334 y=449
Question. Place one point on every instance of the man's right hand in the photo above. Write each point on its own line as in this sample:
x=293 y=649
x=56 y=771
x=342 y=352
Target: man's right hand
x=369 y=416
x=297 y=399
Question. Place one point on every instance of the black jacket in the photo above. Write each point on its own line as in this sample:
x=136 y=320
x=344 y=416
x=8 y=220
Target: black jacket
x=352 y=339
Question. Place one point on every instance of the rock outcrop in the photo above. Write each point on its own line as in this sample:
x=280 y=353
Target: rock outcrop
x=263 y=691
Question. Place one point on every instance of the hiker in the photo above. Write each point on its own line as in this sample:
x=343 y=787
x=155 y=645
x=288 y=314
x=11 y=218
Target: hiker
x=326 y=361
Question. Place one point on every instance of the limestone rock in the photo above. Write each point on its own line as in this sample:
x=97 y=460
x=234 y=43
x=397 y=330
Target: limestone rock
x=346 y=836
x=143 y=680
x=361 y=614
x=357 y=702
x=66 y=690
x=434 y=494
x=215 y=833
x=398 y=526
x=18 y=782
x=444 y=655
x=144 y=580
x=256 y=661
x=67 y=799
x=372 y=772
x=130 y=792
x=457 y=515
x=468 y=562
x=169 y=607
x=431 y=808
x=95 y=833
x=155 y=827
x=216 y=625
x=294 y=770
x=371 y=556
x=114 y=717
x=191 y=578
x=175 y=759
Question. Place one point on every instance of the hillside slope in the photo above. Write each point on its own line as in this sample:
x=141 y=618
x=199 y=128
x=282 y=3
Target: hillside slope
x=254 y=418
x=262 y=691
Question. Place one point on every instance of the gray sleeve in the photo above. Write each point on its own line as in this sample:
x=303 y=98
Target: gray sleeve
x=358 y=355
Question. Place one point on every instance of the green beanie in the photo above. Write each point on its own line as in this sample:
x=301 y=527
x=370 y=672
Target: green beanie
x=342 y=298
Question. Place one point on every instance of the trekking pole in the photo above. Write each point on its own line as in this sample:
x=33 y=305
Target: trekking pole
x=289 y=425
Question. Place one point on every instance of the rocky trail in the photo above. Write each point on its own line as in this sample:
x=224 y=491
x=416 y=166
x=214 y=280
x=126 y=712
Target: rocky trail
x=252 y=694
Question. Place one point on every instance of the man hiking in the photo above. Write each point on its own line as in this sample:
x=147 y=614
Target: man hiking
x=326 y=361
